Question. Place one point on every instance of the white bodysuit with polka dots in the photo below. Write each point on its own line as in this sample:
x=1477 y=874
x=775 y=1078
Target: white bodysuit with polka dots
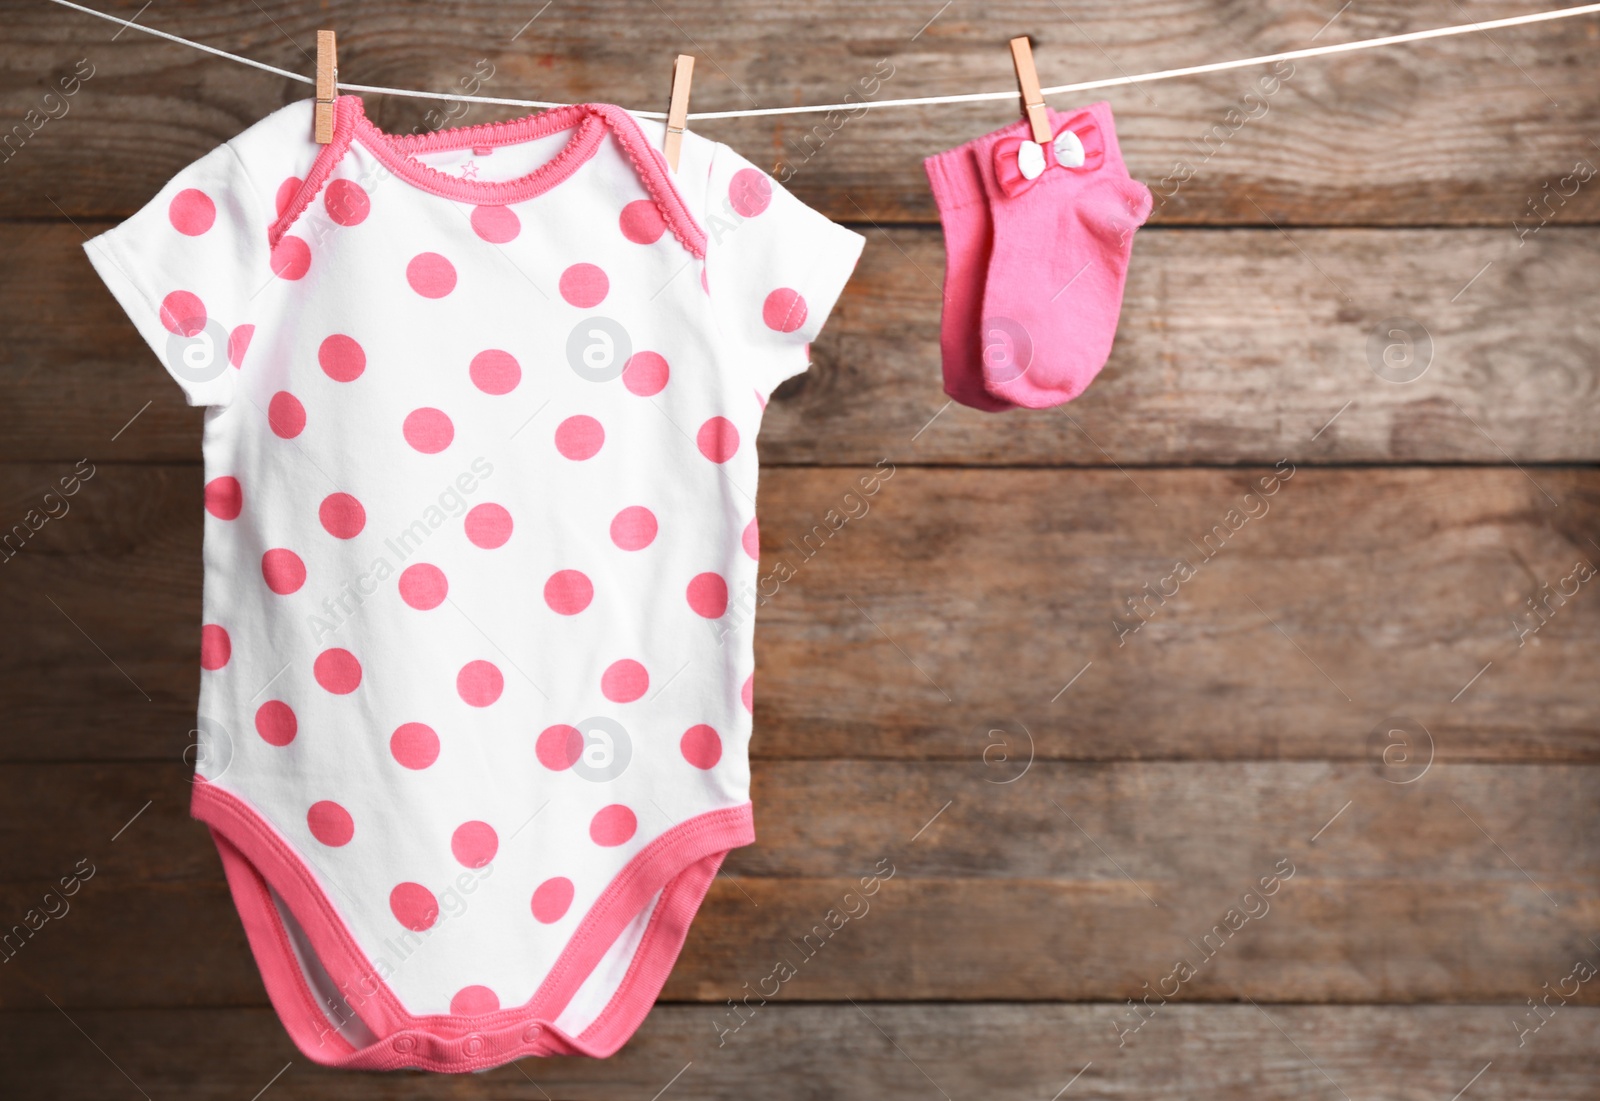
x=480 y=554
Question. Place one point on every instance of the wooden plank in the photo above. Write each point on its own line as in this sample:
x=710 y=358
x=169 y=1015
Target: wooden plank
x=1006 y=1052
x=1238 y=346
x=962 y=604
x=1172 y=826
x=915 y=629
x=1393 y=137
x=1280 y=882
x=1327 y=939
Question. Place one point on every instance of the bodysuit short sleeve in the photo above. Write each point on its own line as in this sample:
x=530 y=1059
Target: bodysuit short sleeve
x=187 y=269
x=457 y=573
x=774 y=267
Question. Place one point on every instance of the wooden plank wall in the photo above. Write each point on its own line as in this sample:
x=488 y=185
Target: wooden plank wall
x=1067 y=805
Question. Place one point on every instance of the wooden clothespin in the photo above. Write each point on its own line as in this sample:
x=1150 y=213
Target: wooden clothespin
x=1028 y=83
x=678 y=109
x=327 y=87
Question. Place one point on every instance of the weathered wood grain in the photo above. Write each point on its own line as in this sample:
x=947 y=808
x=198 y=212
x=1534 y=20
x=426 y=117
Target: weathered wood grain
x=1474 y=883
x=1068 y=882
x=961 y=604
x=1392 y=137
x=1496 y=938
x=1008 y=1052
x=1173 y=826
x=1235 y=346
x=958 y=603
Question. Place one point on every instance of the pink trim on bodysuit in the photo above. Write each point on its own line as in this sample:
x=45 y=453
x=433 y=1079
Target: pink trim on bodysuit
x=680 y=864
x=588 y=121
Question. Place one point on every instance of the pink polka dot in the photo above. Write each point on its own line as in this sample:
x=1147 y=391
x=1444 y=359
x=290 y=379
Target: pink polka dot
x=784 y=310
x=701 y=746
x=752 y=540
x=579 y=437
x=749 y=191
x=431 y=275
x=342 y=359
x=337 y=670
x=215 y=647
x=276 y=724
x=342 y=515
x=624 y=681
x=479 y=683
x=239 y=343
x=473 y=1001
x=645 y=374
x=747 y=694
x=291 y=258
x=414 y=906
x=634 y=528
x=496 y=224
x=224 y=498
x=286 y=193
x=423 y=586
x=584 y=285
x=346 y=202
x=283 y=571
x=183 y=313
x=330 y=823
x=559 y=747
x=613 y=825
x=708 y=595
x=191 y=212
x=495 y=372
x=428 y=430
x=414 y=745
x=642 y=222
x=718 y=439
x=285 y=415
x=552 y=899
x=568 y=592
x=474 y=843
x=488 y=526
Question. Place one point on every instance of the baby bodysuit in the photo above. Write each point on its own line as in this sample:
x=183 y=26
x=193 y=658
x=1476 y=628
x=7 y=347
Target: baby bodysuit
x=480 y=554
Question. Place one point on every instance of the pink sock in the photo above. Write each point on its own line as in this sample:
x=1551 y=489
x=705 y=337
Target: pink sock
x=1058 y=257
x=958 y=190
